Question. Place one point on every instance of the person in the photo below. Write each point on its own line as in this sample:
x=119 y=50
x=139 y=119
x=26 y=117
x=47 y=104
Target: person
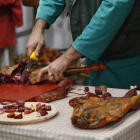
x=10 y=16
x=104 y=31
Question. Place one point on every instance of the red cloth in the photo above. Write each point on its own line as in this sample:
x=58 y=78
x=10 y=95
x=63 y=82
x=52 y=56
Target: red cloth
x=10 y=16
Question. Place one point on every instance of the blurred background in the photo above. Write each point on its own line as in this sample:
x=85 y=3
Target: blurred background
x=58 y=38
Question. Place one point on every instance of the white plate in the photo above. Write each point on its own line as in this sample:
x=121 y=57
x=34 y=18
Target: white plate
x=29 y=118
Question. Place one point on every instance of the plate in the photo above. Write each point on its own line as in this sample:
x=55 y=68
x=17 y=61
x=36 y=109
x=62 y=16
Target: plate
x=28 y=118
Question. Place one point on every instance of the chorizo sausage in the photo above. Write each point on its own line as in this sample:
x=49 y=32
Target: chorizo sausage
x=130 y=93
x=61 y=92
x=100 y=90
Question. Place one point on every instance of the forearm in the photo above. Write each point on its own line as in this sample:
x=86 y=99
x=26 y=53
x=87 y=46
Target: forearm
x=71 y=54
x=102 y=28
x=50 y=10
x=40 y=25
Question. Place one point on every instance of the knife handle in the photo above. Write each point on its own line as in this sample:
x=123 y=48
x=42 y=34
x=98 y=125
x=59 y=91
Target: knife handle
x=33 y=56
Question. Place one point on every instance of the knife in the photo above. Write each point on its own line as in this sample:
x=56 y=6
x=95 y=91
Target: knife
x=33 y=58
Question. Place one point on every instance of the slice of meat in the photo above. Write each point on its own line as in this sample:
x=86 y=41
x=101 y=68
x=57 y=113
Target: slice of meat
x=10 y=110
x=28 y=110
x=21 y=109
x=18 y=116
x=48 y=108
x=2 y=110
x=43 y=112
x=8 y=106
x=11 y=115
x=20 y=102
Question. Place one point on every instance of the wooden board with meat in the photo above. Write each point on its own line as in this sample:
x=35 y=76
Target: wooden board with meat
x=22 y=112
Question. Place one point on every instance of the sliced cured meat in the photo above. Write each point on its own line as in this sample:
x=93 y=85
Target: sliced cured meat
x=18 y=116
x=10 y=110
x=2 y=110
x=11 y=115
x=20 y=102
x=28 y=110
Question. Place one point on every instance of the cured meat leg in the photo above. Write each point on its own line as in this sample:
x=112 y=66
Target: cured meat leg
x=96 y=112
x=13 y=73
x=69 y=72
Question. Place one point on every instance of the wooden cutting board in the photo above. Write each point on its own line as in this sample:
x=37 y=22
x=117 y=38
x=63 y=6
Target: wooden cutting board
x=28 y=118
x=11 y=92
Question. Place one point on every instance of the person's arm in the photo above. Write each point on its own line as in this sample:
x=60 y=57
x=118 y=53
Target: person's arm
x=50 y=10
x=47 y=13
x=103 y=27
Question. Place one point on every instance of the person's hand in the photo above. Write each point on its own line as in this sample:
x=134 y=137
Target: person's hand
x=59 y=66
x=36 y=42
x=55 y=69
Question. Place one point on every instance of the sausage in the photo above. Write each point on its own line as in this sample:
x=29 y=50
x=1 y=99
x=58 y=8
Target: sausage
x=61 y=92
x=100 y=90
x=65 y=84
x=52 y=95
x=130 y=93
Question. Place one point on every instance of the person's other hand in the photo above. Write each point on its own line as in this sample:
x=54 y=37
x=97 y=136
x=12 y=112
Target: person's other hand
x=55 y=69
x=36 y=42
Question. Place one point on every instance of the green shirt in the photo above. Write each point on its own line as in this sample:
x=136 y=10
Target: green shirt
x=95 y=38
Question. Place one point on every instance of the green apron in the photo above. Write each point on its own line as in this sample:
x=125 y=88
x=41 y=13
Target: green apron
x=121 y=73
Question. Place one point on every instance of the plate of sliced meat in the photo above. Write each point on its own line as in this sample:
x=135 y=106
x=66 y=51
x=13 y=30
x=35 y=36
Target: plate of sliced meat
x=22 y=112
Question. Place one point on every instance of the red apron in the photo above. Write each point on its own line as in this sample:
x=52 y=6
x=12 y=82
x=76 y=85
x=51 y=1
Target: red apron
x=10 y=16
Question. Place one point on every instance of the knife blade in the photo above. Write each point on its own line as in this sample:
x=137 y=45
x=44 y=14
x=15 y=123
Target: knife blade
x=33 y=58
